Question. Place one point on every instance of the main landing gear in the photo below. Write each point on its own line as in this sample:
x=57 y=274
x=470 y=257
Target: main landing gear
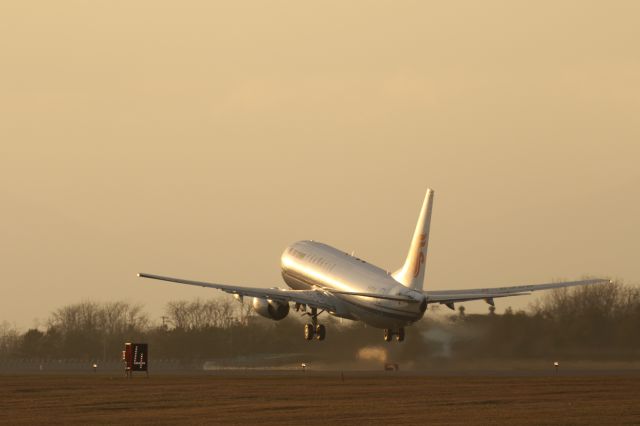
x=314 y=329
x=389 y=333
x=318 y=331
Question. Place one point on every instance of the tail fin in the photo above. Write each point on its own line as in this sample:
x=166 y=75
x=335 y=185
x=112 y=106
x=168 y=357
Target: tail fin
x=412 y=272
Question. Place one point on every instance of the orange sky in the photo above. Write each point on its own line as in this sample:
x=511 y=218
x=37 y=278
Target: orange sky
x=198 y=139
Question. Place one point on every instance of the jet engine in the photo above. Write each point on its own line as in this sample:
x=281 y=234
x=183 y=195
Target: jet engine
x=270 y=308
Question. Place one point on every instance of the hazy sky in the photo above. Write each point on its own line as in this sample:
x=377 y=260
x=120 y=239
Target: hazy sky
x=199 y=138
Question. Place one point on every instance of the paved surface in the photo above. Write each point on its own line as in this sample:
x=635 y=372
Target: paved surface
x=320 y=398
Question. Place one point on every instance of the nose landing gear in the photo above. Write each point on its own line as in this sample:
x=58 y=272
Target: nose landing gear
x=389 y=333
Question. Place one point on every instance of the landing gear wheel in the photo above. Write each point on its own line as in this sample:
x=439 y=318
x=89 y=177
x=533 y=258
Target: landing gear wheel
x=388 y=334
x=308 y=331
x=321 y=332
x=400 y=335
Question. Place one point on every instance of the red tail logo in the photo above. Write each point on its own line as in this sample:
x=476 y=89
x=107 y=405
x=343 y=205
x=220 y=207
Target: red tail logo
x=420 y=256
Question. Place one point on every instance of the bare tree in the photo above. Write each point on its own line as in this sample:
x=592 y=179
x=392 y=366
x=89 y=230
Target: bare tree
x=201 y=315
x=9 y=340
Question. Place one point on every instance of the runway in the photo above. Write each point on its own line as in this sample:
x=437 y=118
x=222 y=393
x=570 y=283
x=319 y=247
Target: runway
x=321 y=398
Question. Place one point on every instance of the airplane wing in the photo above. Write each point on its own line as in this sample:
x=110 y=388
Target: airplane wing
x=320 y=298
x=448 y=297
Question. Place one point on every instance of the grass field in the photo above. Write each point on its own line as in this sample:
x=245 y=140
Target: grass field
x=320 y=399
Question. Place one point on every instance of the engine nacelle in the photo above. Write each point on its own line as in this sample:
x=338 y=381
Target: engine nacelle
x=270 y=308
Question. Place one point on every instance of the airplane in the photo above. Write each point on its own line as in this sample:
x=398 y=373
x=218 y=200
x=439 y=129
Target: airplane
x=322 y=278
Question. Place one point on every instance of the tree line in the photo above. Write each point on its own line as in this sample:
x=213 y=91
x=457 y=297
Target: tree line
x=594 y=322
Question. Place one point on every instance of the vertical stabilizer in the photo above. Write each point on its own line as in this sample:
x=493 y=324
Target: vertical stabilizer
x=412 y=272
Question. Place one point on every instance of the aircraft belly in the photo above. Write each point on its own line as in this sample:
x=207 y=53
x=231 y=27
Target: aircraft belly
x=379 y=314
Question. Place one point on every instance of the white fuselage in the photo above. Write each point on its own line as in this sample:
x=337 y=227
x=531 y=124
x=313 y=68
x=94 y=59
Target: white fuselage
x=310 y=265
